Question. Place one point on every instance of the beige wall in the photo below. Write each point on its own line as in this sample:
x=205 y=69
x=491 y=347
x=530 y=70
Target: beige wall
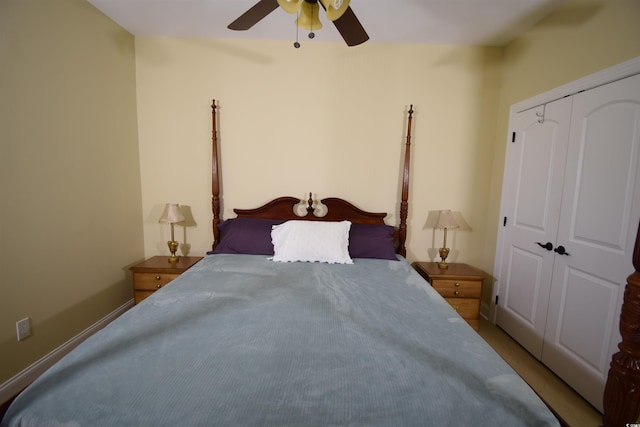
x=325 y=119
x=581 y=38
x=70 y=219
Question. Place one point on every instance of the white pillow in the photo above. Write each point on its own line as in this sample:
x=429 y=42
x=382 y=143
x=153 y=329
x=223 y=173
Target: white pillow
x=311 y=241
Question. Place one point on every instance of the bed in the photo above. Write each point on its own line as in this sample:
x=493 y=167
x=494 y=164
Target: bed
x=305 y=313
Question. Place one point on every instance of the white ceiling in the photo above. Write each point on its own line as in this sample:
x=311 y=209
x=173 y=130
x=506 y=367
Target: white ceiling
x=467 y=22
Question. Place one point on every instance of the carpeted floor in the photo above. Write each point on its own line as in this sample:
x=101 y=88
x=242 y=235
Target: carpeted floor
x=568 y=405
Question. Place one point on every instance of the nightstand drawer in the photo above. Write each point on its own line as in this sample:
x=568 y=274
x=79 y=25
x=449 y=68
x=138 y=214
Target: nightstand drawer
x=467 y=308
x=458 y=288
x=153 y=273
x=460 y=285
x=151 y=281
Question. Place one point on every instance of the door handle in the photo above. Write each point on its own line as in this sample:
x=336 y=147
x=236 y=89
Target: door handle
x=548 y=246
x=560 y=250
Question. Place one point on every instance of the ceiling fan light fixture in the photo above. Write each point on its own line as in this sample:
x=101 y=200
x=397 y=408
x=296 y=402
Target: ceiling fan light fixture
x=307 y=12
x=290 y=6
x=335 y=8
x=309 y=18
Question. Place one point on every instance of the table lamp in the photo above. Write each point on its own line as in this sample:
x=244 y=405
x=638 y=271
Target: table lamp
x=445 y=221
x=170 y=215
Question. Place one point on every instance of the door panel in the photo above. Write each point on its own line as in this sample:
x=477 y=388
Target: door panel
x=600 y=208
x=525 y=266
x=580 y=335
x=587 y=316
x=606 y=164
x=532 y=208
x=534 y=196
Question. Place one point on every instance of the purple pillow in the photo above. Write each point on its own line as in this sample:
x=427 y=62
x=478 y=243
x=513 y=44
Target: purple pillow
x=246 y=236
x=372 y=241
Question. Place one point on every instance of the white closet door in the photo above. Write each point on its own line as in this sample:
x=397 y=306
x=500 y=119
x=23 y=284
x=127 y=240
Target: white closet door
x=536 y=160
x=598 y=223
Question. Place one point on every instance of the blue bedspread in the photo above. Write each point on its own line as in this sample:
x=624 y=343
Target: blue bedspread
x=240 y=340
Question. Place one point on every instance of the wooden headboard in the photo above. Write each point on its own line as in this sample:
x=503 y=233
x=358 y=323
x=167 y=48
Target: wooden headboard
x=337 y=210
x=333 y=209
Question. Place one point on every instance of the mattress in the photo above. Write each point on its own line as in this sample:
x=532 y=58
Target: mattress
x=241 y=340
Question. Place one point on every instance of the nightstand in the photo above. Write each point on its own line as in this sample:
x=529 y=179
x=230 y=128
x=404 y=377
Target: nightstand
x=460 y=285
x=153 y=273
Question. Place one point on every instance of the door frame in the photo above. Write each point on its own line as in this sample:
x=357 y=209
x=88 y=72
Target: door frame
x=599 y=78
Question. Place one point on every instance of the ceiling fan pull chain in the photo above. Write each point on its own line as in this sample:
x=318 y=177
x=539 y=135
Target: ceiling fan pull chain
x=297 y=44
x=311 y=33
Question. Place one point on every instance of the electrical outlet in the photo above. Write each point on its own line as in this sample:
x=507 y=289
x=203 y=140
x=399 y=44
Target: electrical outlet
x=23 y=329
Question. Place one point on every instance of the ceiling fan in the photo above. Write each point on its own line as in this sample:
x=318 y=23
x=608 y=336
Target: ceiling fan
x=338 y=11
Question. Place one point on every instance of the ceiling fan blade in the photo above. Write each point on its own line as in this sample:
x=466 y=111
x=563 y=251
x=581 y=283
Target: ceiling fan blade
x=350 y=28
x=252 y=16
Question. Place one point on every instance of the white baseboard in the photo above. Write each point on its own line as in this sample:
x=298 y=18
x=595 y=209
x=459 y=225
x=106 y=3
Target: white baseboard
x=17 y=383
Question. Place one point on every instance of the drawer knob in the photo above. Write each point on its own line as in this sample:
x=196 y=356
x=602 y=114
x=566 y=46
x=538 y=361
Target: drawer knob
x=457 y=285
x=455 y=307
x=158 y=286
x=157 y=277
x=456 y=293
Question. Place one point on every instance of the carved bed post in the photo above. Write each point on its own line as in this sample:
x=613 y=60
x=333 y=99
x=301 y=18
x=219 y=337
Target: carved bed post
x=404 y=204
x=621 y=398
x=215 y=178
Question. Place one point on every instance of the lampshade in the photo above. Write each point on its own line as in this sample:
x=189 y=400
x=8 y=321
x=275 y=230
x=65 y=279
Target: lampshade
x=309 y=18
x=289 y=6
x=446 y=220
x=335 y=8
x=171 y=214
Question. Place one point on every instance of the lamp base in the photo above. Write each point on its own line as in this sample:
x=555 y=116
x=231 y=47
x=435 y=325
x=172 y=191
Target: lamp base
x=173 y=247
x=444 y=253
